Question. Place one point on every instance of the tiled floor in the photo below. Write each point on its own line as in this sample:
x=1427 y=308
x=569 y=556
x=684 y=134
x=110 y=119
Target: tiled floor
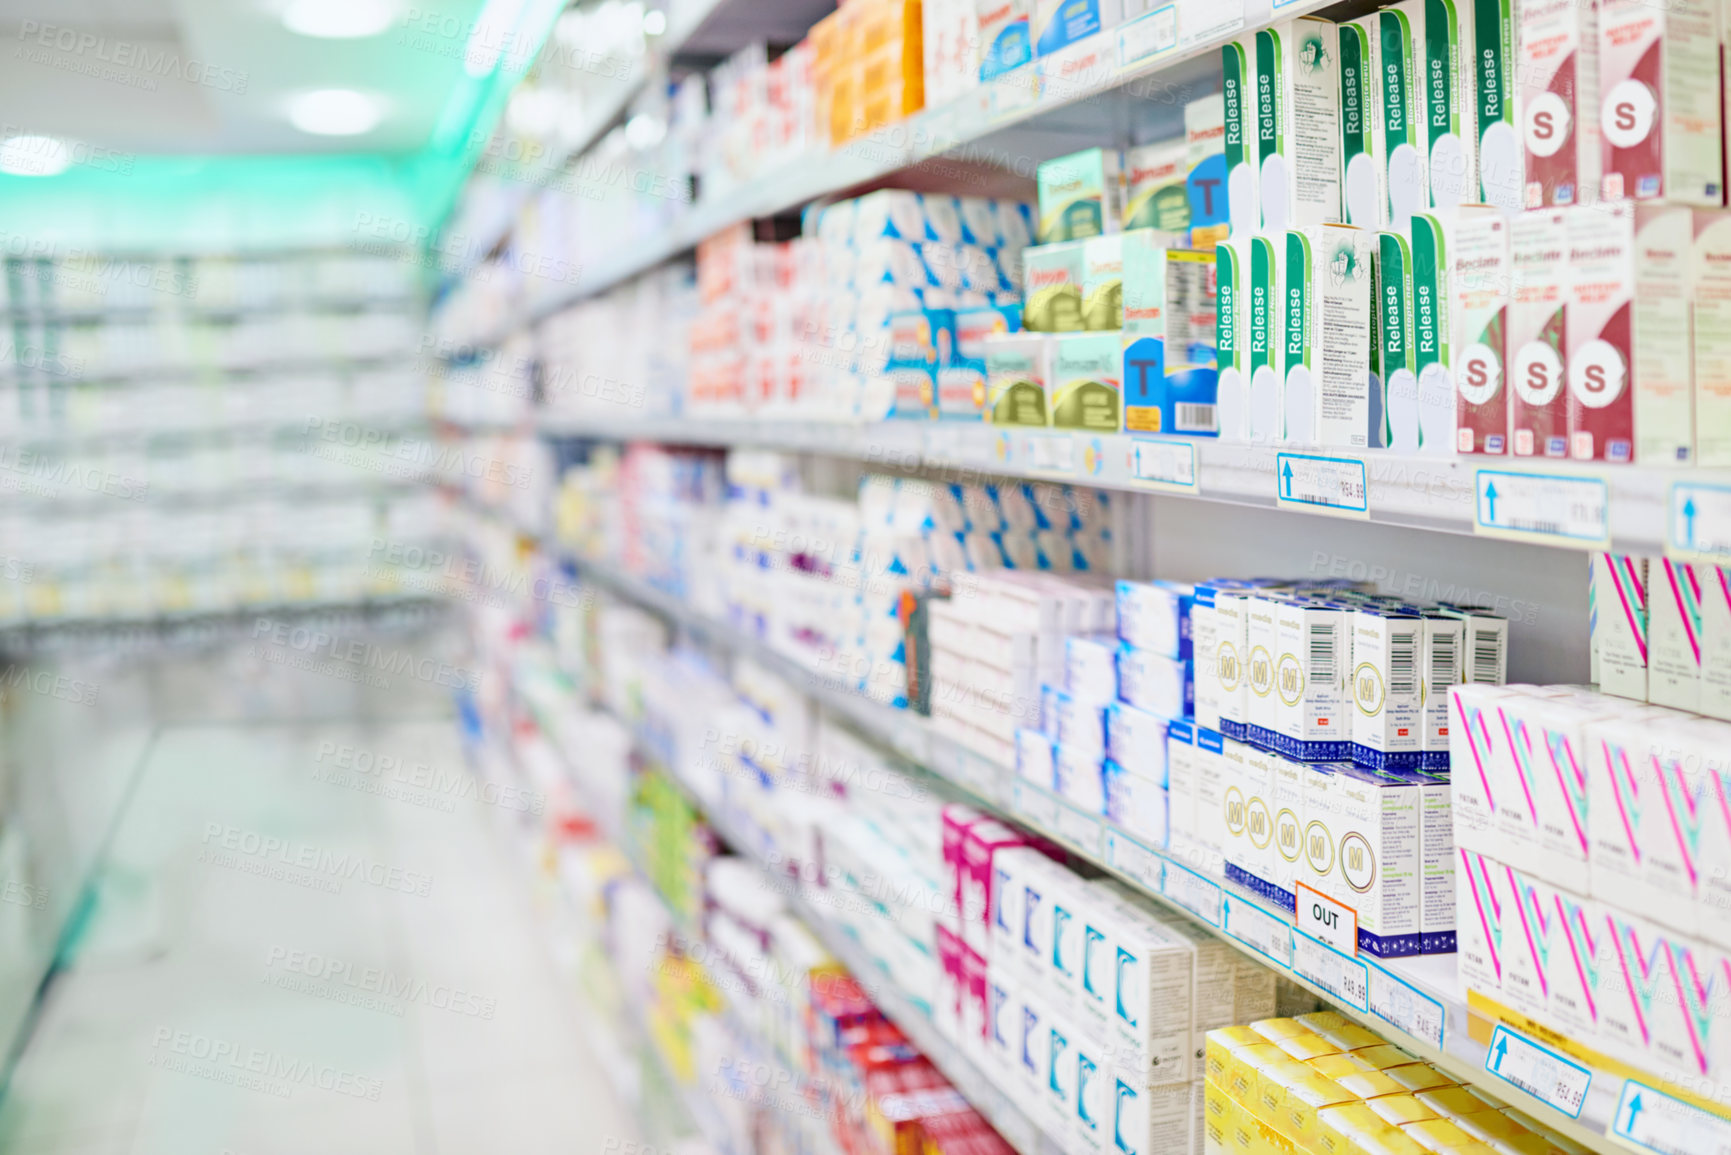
x=375 y=982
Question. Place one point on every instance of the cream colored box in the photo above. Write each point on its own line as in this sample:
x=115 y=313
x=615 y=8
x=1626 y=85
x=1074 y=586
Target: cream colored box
x=1298 y=124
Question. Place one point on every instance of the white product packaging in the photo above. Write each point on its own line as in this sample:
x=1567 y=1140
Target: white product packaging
x=1485 y=636
x=1155 y=616
x=1628 y=334
x=1432 y=295
x=1262 y=650
x=1444 y=646
x=1401 y=142
x=1039 y=878
x=1559 y=101
x=1227 y=710
x=1548 y=743
x=1161 y=685
x=1208 y=832
x=1057 y=1102
x=1325 y=276
x=1181 y=818
x=1136 y=804
x=1716 y=641
x=1010 y=872
x=1674 y=626
x=1388 y=719
x=1238 y=97
x=1091 y=1122
x=1286 y=849
x=1080 y=779
x=1155 y=1118
x=1539 y=268
x=1372 y=820
x=1036 y=758
x=1659 y=119
x=1090 y=669
x=1364 y=175
x=1063 y=982
x=1003 y=994
x=1095 y=980
x=1297 y=88
x=1034 y=1052
x=1478 y=312
x=1530 y=941
x=1248 y=806
x=1153 y=968
x=1310 y=701
x=1485 y=914
x=1491 y=93
x=1620 y=589
x=1638 y=860
x=1579 y=994
x=1437 y=869
x=1695 y=762
x=1081 y=723
x=1710 y=313
x=1630 y=1020
x=983 y=842
x=1136 y=740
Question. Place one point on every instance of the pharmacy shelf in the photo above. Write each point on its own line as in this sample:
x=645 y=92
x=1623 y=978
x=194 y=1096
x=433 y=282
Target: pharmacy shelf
x=995 y=1105
x=1632 y=509
x=199 y=626
x=187 y=307
x=1418 y=1003
x=1123 y=80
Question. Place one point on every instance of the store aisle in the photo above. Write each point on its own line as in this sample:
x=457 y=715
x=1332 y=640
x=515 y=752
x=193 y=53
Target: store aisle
x=309 y=938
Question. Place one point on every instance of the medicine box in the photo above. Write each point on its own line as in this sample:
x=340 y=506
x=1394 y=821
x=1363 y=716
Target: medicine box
x=1298 y=124
x=1061 y=23
x=1394 y=401
x=1005 y=38
x=1327 y=272
x=1137 y=740
x=1103 y=283
x=1240 y=142
x=1620 y=589
x=1363 y=173
x=1136 y=804
x=1674 y=632
x=1539 y=265
x=1442 y=32
x=1372 y=823
x=1559 y=101
x=1710 y=313
x=1401 y=154
x=1491 y=83
x=1310 y=698
x=1052 y=278
x=1432 y=273
x=1153 y=682
x=1444 y=645
x=1170 y=337
x=1153 y=965
x=1080 y=195
x=1157 y=196
x=1155 y=616
x=1205 y=170
x=1264 y=334
x=962 y=391
x=1660 y=113
x=1018 y=377
x=1086 y=373
x=1388 y=723
x=1479 y=312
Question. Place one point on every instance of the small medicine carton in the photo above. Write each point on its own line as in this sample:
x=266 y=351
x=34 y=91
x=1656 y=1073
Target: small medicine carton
x=1327 y=281
x=1628 y=328
x=1445 y=637
x=1660 y=114
x=1061 y=23
x=1485 y=917
x=1170 y=335
x=1312 y=644
x=1537 y=335
x=1620 y=585
x=1181 y=814
x=1491 y=87
x=1674 y=633
x=1103 y=283
x=1239 y=120
x=1153 y=966
x=1231 y=342
x=962 y=392
x=1018 y=377
x=1400 y=152
x=1393 y=401
x=1363 y=197
x=1005 y=41
x=1479 y=311
x=1297 y=120
x=1155 y=616
x=1264 y=334
x=1432 y=293
x=1442 y=32
x=1716 y=644
x=1559 y=102
x=1080 y=195
x=1710 y=313
x=1388 y=722
x=1371 y=821
x=1205 y=170
x=1087 y=372
x=1052 y=278
x=1156 y=196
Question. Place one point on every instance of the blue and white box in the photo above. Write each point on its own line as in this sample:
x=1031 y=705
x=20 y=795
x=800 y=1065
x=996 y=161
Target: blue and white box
x=1156 y=683
x=1155 y=616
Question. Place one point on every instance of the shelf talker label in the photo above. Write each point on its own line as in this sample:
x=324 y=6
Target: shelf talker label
x=1160 y=464
x=1128 y=856
x=1542 y=507
x=1334 y=485
x=1398 y=1002
x=1148 y=37
x=1049 y=453
x=1200 y=895
x=1651 y=1120
x=1344 y=978
x=1265 y=933
x=1700 y=522
x=1326 y=920
x=1539 y=1071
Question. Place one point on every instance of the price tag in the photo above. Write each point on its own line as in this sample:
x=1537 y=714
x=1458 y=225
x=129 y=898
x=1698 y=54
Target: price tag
x=1163 y=464
x=1345 y=978
x=1326 y=920
x=1080 y=830
x=942 y=444
x=1701 y=521
x=1542 y=507
x=1654 y=1121
x=1321 y=484
x=1397 y=1001
x=1538 y=1070
x=1125 y=854
x=1209 y=21
x=1014 y=91
x=1257 y=929
x=1034 y=805
x=1195 y=893
x=1148 y=36
x=1049 y=452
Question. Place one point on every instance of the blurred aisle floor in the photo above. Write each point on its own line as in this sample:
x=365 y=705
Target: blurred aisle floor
x=310 y=938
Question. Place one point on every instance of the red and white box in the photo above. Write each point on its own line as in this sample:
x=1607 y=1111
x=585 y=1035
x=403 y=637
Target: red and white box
x=1537 y=337
x=1659 y=119
x=1628 y=333
x=1559 y=101
x=1480 y=340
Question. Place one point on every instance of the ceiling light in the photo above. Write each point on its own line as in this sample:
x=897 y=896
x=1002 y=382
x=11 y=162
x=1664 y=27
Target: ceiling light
x=654 y=22
x=334 y=112
x=34 y=156
x=339 y=19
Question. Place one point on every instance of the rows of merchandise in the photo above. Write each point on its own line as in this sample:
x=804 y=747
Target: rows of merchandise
x=193 y=435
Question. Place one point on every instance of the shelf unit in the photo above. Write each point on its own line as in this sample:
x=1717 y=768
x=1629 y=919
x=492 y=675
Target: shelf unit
x=1126 y=78
x=1417 y=1003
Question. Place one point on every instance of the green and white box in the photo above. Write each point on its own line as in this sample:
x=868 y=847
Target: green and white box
x=1298 y=124
x=1081 y=195
x=1395 y=412
x=1327 y=299
x=1087 y=369
x=1432 y=292
x=1264 y=337
x=1442 y=45
x=1400 y=151
x=1239 y=103
x=1232 y=384
x=1491 y=97
x=1364 y=169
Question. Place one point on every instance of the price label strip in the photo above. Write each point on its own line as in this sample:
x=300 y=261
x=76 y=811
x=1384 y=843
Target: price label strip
x=1700 y=522
x=1539 y=1071
x=1396 y=1001
x=1200 y=895
x=1333 y=485
x=1126 y=854
x=1651 y=1120
x=1049 y=453
x=1148 y=37
x=1167 y=465
x=1034 y=804
x=1080 y=830
x=1257 y=929
x=1345 y=978
x=1542 y=507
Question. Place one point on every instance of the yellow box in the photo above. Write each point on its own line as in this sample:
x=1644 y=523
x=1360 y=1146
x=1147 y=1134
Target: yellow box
x=1418 y=1077
x=1247 y=1060
x=1489 y=1126
x=1320 y=1021
x=1273 y=1142
x=1370 y=1084
x=1393 y=1141
x=1440 y=1136
x=1569 y=1146
x=1399 y=1110
x=1304 y=1098
x=1455 y=1102
x=1346 y=1063
x=1307 y=1046
x=1385 y=1055
x=1245 y=1133
x=1217 y=1051
x=1275 y=1029
x=1272 y=1080
x=1349 y=1036
x=1338 y=1126
x=1526 y=1143
x=1219 y=1118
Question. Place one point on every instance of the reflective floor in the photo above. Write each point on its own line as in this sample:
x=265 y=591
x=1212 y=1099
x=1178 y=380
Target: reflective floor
x=310 y=937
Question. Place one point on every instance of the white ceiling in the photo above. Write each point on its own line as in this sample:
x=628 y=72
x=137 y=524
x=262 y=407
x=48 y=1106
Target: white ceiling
x=255 y=66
